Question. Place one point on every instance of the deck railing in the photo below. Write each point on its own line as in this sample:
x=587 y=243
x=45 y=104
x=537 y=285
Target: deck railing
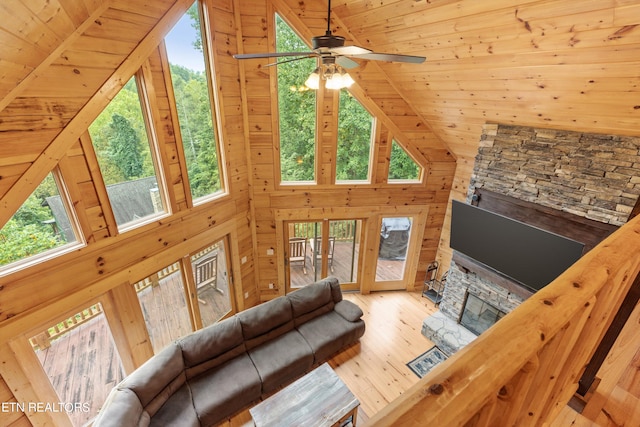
x=43 y=339
x=525 y=369
x=342 y=230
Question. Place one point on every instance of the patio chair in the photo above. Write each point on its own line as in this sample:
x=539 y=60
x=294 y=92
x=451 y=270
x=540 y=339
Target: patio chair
x=206 y=273
x=318 y=256
x=298 y=252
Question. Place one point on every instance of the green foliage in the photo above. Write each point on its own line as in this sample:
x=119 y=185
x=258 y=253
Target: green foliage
x=354 y=140
x=195 y=23
x=26 y=233
x=125 y=149
x=196 y=126
x=401 y=165
x=19 y=241
x=297 y=109
x=119 y=137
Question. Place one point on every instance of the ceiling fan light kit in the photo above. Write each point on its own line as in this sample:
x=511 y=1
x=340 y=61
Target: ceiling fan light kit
x=334 y=76
x=334 y=57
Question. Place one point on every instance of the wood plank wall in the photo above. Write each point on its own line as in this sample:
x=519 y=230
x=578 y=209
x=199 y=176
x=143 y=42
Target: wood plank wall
x=103 y=269
x=561 y=64
x=313 y=202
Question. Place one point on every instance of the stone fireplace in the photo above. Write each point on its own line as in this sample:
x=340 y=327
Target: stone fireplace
x=564 y=182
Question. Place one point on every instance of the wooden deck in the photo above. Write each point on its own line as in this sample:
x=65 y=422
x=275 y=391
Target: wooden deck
x=83 y=366
x=345 y=255
x=166 y=312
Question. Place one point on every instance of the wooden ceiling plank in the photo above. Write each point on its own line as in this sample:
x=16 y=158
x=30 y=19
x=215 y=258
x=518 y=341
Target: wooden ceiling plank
x=53 y=55
x=25 y=25
x=51 y=13
x=79 y=11
x=152 y=8
x=58 y=146
x=116 y=29
x=14 y=49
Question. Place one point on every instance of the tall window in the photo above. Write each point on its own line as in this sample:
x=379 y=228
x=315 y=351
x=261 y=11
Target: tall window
x=81 y=361
x=127 y=163
x=355 y=126
x=164 y=306
x=192 y=89
x=296 y=108
x=42 y=226
x=209 y=267
x=402 y=167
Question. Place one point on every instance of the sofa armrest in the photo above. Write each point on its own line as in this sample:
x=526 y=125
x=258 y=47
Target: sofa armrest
x=348 y=310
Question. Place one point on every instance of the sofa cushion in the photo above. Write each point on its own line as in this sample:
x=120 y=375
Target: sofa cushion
x=329 y=333
x=348 y=310
x=177 y=411
x=151 y=379
x=125 y=410
x=282 y=359
x=220 y=392
x=336 y=291
x=311 y=301
x=266 y=321
x=214 y=344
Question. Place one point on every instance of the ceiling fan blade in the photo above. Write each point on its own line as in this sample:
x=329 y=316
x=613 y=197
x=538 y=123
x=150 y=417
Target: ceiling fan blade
x=290 y=60
x=391 y=57
x=345 y=62
x=270 y=55
x=349 y=50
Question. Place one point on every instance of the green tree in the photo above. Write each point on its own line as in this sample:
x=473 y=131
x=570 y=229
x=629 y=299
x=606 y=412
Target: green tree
x=401 y=165
x=125 y=104
x=196 y=126
x=354 y=139
x=125 y=148
x=297 y=109
x=29 y=231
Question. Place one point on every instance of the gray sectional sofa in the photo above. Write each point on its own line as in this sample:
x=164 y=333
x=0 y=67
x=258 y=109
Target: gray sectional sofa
x=207 y=376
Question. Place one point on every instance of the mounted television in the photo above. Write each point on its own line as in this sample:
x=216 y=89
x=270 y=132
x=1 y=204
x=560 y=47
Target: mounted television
x=528 y=255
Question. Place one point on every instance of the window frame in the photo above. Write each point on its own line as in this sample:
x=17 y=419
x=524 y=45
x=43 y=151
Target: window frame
x=214 y=106
x=372 y=146
x=277 y=121
x=52 y=253
x=401 y=181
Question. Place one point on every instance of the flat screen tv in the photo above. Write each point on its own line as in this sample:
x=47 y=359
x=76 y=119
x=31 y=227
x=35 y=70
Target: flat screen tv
x=528 y=255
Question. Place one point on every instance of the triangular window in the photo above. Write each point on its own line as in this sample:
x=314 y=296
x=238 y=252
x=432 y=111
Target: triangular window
x=402 y=167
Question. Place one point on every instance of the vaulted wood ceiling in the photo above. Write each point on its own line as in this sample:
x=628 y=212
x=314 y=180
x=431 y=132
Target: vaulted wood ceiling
x=569 y=64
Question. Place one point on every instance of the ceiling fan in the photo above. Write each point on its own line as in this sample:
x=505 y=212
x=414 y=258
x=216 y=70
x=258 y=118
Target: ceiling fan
x=334 y=57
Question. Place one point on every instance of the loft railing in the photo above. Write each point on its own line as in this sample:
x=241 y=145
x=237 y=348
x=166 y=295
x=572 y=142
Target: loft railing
x=525 y=369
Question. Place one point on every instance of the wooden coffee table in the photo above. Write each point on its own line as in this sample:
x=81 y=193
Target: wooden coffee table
x=320 y=398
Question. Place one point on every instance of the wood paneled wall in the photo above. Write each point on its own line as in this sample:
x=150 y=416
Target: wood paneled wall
x=395 y=117
x=101 y=57
x=561 y=64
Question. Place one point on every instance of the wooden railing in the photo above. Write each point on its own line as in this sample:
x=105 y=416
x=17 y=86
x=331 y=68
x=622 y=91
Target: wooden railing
x=43 y=339
x=525 y=369
x=342 y=230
